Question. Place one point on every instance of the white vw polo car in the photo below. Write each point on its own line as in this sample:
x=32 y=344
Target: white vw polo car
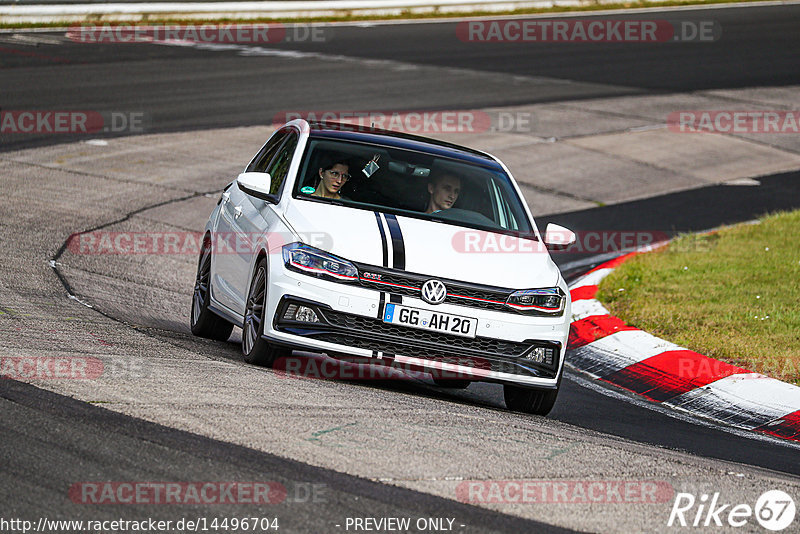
x=391 y=249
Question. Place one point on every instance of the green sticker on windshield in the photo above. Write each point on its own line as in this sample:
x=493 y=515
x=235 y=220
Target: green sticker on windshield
x=307 y=189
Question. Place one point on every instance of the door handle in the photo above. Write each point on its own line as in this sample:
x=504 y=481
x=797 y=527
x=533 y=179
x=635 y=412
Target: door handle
x=237 y=212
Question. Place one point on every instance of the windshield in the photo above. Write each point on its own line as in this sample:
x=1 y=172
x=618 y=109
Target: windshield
x=410 y=183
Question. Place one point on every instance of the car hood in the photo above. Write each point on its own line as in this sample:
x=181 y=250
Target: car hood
x=423 y=247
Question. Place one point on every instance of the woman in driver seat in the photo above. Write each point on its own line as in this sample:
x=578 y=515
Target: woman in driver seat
x=332 y=176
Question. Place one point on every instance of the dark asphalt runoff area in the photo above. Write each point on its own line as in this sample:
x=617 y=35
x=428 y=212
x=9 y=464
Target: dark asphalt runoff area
x=187 y=89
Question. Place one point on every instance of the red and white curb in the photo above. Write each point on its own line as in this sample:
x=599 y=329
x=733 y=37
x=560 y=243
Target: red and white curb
x=607 y=349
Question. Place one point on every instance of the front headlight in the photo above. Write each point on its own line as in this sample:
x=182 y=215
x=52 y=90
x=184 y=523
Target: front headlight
x=547 y=301
x=314 y=262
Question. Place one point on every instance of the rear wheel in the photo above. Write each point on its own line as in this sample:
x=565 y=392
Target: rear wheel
x=204 y=322
x=257 y=350
x=533 y=401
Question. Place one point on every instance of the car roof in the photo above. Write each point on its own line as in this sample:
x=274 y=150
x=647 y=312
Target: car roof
x=377 y=136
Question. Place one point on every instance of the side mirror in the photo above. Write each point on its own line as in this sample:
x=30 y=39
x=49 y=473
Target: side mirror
x=557 y=237
x=257 y=184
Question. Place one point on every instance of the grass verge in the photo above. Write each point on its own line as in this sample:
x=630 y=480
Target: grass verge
x=407 y=15
x=733 y=295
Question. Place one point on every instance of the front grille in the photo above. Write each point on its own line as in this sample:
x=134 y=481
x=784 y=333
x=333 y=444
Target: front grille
x=496 y=347
x=459 y=293
x=478 y=352
x=373 y=334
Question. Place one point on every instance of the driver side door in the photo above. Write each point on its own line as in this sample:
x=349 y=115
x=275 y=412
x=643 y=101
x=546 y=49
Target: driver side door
x=233 y=242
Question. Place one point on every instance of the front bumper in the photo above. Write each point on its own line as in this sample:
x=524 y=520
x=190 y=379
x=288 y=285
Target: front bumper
x=479 y=358
x=350 y=326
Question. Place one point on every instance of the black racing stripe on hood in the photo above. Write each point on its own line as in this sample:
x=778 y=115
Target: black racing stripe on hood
x=384 y=244
x=398 y=245
x=381 y=301
x=385 y=248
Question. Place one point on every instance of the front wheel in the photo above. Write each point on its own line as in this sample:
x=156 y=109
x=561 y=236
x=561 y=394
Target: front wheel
x=533 y=401
x=204 y=322
x=255 y=348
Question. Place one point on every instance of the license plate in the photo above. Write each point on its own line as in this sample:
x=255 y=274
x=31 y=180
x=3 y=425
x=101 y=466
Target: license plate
x=430 y=320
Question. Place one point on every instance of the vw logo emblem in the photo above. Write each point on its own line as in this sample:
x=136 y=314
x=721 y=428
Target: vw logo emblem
x=433 y=292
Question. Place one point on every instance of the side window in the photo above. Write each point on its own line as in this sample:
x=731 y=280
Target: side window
x=267 y=152
x=497 y=205
x=504 y=214
x=279 y=166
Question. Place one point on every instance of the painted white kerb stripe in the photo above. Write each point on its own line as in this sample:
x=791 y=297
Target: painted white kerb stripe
x=637 y=344
x=592 y=279
x=581 y=309
x=768 y=391
x=763 y=398
x=618 y=351
x=742 y=400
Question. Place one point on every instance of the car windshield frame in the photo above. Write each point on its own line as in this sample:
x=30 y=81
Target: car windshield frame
x=527 y=228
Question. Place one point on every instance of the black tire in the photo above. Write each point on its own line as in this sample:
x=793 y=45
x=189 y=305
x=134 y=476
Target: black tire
x=527 y=400
x=203 y=321
x=256 y=350
x=451 y=383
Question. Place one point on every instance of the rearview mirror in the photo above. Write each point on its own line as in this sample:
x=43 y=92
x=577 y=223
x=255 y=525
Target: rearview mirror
x=557 y=237
x=257 y=184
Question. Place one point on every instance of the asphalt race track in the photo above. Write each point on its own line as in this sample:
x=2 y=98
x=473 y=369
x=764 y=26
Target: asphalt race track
x=184 y=88
x=176 y=408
